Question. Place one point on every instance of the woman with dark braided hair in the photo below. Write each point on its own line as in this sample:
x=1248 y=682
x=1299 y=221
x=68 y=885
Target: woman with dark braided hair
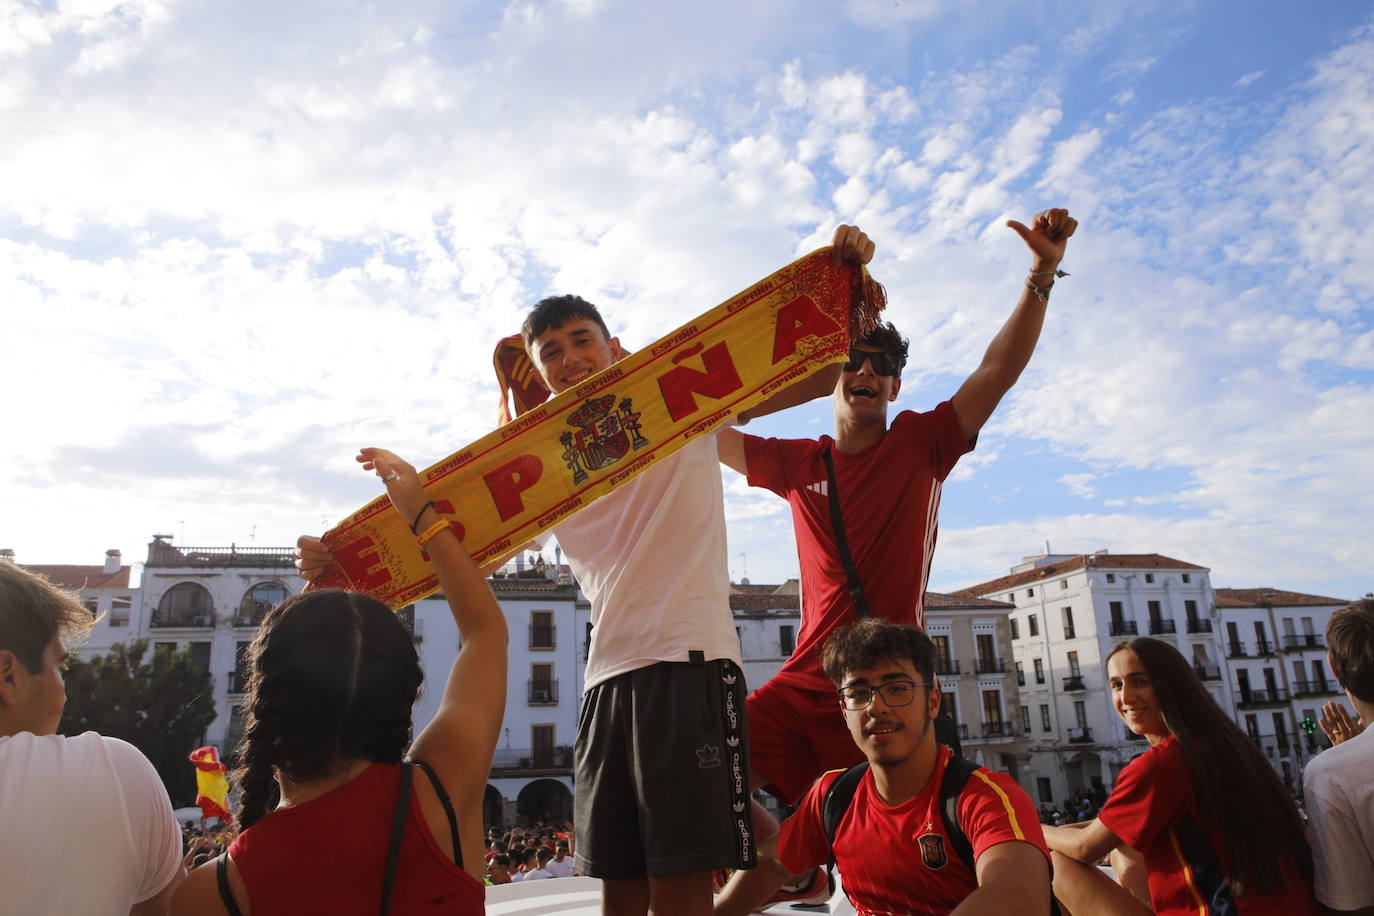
x=341 y=813
x=1216 y=829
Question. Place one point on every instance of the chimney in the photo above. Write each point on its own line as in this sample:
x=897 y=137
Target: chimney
x=112 y=558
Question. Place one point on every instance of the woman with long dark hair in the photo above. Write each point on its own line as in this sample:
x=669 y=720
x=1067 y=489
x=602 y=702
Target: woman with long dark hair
x=1217 y=831
x=341 y=812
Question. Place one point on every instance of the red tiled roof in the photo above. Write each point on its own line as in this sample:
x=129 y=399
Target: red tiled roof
x=939 y=601
x=769 y=601
x=79 y=577
x=525 y=585
x=1091 y=561
x=1277 y=597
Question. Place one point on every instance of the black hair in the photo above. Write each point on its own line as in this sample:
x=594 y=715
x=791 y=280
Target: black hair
x=556 y=311
x=1238 y=794
x=887 y=338
x=1350 y=636
x=871 y=641
x=333 y=676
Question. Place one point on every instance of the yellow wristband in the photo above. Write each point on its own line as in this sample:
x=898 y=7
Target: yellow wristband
x=428 y=534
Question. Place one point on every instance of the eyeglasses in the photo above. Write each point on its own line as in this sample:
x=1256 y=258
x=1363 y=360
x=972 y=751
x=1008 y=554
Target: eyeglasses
x=883 y=363
x=895 y=693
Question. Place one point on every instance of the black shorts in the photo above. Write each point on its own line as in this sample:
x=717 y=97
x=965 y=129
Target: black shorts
x=662 y=772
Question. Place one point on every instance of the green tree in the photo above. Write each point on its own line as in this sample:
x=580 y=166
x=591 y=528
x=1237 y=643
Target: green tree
x=161 y=706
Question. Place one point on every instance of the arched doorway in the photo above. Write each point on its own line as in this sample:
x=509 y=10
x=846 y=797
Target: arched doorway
x=547 y=800
x=493 y=808
x=1083 y=772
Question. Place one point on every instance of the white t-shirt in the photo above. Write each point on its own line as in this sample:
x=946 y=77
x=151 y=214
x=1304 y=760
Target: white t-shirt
x=86 y=828
x=1339 y=793
x=651 y=558
x=562 y=869
x=536 y=874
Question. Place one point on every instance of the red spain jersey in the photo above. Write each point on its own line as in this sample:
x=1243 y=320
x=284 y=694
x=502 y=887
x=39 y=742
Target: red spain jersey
x=897 y=859
x=1153 y=809
x=889 y=500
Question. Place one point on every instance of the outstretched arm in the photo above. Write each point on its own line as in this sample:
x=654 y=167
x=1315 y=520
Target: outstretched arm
x=460 y=739
x=1087 y=841
x=1011 y=349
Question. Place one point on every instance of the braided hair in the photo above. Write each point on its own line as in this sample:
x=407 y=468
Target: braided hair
x=333 y=676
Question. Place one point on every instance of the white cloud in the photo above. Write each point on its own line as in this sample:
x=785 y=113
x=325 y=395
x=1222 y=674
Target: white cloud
x=1080 y=485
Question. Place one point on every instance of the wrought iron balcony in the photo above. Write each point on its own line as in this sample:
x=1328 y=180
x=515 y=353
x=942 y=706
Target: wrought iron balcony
x=1264 y=647
x=1314 y=688
x=1125 y=628
x=1208 y=672
x=198 y=620
x=946 y=667
x=1197 y=625
x=524 y=758
x=1075 y=682
x=1303 y=641
x=1236 y=650
x=543 y=693
x=1276 y=697
x=1080 y=736
x=1163 y=626
x=998 y=730
x=543 y=637
x=989 y=665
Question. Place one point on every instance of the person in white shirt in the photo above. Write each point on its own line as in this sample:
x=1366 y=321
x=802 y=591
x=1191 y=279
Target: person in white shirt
x=1338 y=791
x=86 y=828
x=561 y=865
x=543 y=870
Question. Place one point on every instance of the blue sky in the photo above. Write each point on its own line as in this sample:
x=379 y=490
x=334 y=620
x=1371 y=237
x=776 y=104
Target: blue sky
x=237 y=241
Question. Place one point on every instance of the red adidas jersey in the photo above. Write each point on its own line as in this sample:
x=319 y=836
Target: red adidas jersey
x=897 y=858
x=1153 y=809
x=889 y=499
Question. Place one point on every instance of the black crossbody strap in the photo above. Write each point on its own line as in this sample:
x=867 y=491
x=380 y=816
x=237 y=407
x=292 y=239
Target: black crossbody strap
x=448 y=810
x=856 y=588
x=398 y=826
x=226 y=894
x=957 y=773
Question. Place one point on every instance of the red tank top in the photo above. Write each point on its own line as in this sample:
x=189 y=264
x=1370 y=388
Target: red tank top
x=328 y=854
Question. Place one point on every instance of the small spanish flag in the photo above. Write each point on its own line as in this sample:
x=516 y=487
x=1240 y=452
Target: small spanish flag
x=212 y=786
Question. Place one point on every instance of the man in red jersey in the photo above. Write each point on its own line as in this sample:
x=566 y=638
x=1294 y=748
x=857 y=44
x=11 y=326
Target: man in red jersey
x=891 y=844
x=888 y=482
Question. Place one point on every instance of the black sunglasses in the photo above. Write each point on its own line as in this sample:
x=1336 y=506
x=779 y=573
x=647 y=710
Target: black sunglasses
x=883 y=363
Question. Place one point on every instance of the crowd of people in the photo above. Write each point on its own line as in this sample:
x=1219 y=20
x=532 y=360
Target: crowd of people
x=340 y=810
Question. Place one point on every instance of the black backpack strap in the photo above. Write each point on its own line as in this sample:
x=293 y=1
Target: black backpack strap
x=226 y=894
x=856 y=588
x=448 y=809
x=837 y=799
x=957 y=774
x=398 y=826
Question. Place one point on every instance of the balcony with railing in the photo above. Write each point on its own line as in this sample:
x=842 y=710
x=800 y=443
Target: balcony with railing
x=989 y=665
x=1208 y=672
x=1303 y=641
x=238 y=681
x=543 y=693
x=521 y=759
x=1069 y=631
x=1080 y=735
x=543 y=636
x=1197 y=625
x=199 y=619
x=1161 y=625
x=1074 y=682
x=1125 y=628
x=999 y=730
x=1315 y=688
x=946 y=667
x=1236 y=649
x=1252 y=698
x=1264 y=647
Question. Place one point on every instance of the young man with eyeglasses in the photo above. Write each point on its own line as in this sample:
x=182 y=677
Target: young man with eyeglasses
x=890 y=844
x=888 y=479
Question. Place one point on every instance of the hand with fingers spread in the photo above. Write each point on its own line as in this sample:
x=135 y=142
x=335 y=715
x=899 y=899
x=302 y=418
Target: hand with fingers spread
x=1338 y=724
x=851 y=246
x=1047 y=237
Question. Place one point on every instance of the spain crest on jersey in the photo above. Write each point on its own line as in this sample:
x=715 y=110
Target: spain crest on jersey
x=932 y=850
x=606 y=432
